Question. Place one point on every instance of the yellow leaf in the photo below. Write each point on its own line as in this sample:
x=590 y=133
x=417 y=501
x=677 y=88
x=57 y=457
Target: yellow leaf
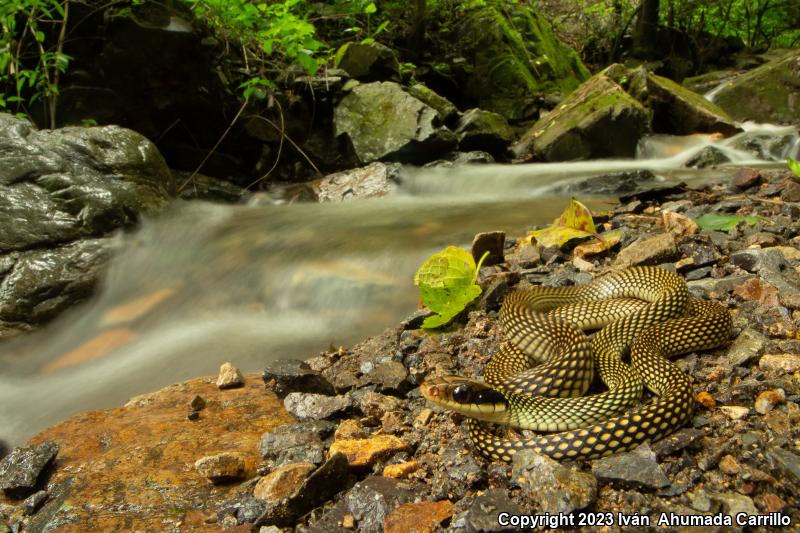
x=574 y=223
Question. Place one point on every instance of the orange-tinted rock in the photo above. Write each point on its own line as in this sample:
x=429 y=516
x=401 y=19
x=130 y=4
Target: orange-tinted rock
x=282 y=482
x=401 y=470
x=132 y=468
x=757 y=290
x=705 y=399
x=366 y=452
x=728 y=465
x=422 y=517
x=349 y=430
x=768 y=400
x=221 y=468
x=678 y=224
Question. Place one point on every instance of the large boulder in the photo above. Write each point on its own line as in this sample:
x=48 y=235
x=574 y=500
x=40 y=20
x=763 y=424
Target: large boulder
x=677 y=110
x=367 y=61
x=510 y=57
x=483 y=130
x=596 y=121
x=766 y=94
x=383 y=122
x=60 y=186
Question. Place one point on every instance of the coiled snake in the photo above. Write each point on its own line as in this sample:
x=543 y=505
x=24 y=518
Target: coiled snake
x=644 y=310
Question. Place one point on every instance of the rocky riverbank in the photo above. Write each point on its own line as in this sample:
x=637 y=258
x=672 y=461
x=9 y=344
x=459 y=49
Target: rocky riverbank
x=345 y=442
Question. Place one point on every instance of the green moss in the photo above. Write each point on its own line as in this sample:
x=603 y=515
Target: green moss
x=691 y=97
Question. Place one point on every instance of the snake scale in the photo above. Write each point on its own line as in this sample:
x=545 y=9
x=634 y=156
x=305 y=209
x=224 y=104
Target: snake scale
x=643 y=311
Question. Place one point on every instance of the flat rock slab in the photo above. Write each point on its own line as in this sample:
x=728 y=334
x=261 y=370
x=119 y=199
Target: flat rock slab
x=143 y=454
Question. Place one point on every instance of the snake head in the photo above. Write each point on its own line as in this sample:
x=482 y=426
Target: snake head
x=465 y=396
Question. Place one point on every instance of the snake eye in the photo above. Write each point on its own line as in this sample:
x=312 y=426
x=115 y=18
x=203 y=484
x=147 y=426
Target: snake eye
x=461 y=394
x=489 y=396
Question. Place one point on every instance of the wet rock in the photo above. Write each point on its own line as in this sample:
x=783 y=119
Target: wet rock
x=679 y=440
x=290 y=375
x=744 y=179
x=422 y=517
x=372 y=181
x=363 y=453
x=384 y=122
x=221 y=468
x=321 y=485
x=457 y=159
x=597 y=120
x=787 y=363
x=710 y=156
x=637 y=467
x=33 y=502
x=551 y=487
x=202 y=187
x=21 y=469
x=282 y=482
x=366 y=60
x=492 y=242
x=482 y=130
x=229 y=377
x=787 y=461
x=747 y=345
x=297 y=443
x=768 y=400
x=735 y=412
x=446 y=109
x=482 y=515
x=699 y=251
x=306 y=406
x=765 y=94
x=613 y=184
x=652 y=250
x=40 y=284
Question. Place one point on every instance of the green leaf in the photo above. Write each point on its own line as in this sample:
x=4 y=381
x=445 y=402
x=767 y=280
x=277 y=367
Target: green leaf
x=307 y=62
x=794 y=166
x=718 y=222
x=370 y=9
x=446 y=284
x=574 y=223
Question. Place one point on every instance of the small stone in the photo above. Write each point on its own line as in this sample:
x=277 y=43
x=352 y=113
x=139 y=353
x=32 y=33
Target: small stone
x=422 y=517
x=746 y=346
x=193 y=415
x=423 y=417
x=677 y=224
x=528 y=255
x=789 y=462
x=197 y=403
x=677 y=441
x=401 y=470
x=768 y=400
x=306 y=406
x=699 y=501
x=349 y=429
x=744 y=179
x=707 y=286
x=492 y=242
x=283 y=376
x=374 y=405
x=785 y=362
x=582 y=264
x=705 y=399
x=296 y=443
x=734 y=503
x=363 y=453
x=728 y=465
x=756 y=290
x=221 y=468
x=20 y=470
x=554 y=488
x=482 y=514
x=756 y=259
x=389 y=376
x=638 y=467
x=229 y=377
x=33 y=502
x=653 y=250
x=348 y=521
x=772 y=503
x=393 y=422
x=735 y=412
x=282 y=482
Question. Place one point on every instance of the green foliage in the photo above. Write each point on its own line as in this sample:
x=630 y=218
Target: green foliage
x=794 y=166
x=30 y=61
x=719 y=222
x=446 y=284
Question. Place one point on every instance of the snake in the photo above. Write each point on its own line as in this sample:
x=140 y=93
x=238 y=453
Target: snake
x=643 y=312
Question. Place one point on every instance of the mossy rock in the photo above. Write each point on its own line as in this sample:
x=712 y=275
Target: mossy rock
x=514 y=58
x=766 y=94
x=598 y=120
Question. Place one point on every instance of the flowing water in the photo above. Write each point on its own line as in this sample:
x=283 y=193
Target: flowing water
x=206 y=283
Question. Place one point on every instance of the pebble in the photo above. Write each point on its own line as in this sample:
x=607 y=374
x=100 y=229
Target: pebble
x=550 y=486
x=309 y=406
x=296 y=443
x=735 y=412
x=648 y=251
x=768 y=400
x=197 y=403
x=20 y=470
x=401 y=470
x=492 y=242
x=350 y=429
x=785 y=362
x=283 y=376
x=728 y=465
x=229 y=377
x=638 y=467
x=678 y=224
x=363 y=453
x=282 y=482
x=390 y=376
x=482 y=514
x=757 y=259
x=679 y=440
x=221 y=468
x=734 y=503
x=754 y=289
x=33 y=502
x=706 y=400
x=789 y=462
x=421 y=517
x=707 y=286
x=747 y=345
x=699 y=501
x=374 y=404
x=371 y=500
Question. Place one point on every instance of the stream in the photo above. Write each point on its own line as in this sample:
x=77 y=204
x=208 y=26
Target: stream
x=207 y=283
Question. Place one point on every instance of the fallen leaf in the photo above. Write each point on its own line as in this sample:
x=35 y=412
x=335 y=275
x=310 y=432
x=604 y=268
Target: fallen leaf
x=574 y=223
x=718 y=222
